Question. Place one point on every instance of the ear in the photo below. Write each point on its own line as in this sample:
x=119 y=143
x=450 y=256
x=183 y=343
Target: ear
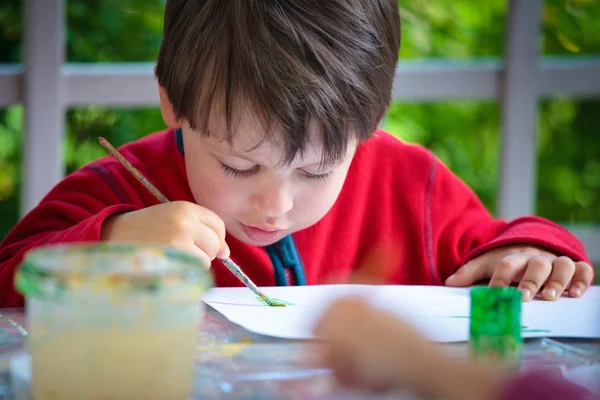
x=166 y=109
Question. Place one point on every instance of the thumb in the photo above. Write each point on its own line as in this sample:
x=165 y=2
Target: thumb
x=224 y=251
x=469 y=273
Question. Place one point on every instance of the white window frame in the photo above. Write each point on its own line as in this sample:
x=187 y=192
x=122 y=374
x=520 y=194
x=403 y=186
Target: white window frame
x=47 y=87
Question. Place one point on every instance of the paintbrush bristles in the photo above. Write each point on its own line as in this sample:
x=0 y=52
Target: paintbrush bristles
x=237 y=271
x=141 y=178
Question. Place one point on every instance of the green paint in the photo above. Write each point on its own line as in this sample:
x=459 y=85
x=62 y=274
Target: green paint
x=525 y=329
x=283 y=302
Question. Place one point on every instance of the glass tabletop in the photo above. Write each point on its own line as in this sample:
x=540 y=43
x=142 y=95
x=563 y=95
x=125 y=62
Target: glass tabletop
x=233 y=363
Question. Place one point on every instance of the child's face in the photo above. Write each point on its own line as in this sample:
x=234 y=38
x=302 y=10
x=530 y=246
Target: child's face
x=259 y=199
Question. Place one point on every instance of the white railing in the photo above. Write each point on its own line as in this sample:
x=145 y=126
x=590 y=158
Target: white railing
x=47 y=87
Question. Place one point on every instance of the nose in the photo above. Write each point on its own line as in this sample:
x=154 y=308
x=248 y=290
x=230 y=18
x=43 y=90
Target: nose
x=272 y=200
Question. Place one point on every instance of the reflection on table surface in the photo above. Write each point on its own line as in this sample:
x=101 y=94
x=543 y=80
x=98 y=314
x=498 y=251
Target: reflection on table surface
x=234 y=363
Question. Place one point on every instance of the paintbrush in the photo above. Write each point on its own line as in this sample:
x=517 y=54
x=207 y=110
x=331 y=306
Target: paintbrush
x=233 y=267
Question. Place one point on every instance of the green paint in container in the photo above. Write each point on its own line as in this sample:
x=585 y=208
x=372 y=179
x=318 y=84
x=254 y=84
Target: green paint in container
x=495 y=331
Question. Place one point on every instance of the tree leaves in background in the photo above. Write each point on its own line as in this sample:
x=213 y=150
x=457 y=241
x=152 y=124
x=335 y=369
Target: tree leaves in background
x=464 y=134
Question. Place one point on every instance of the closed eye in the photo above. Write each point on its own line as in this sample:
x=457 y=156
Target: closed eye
x=322 y=177
x=238 y=173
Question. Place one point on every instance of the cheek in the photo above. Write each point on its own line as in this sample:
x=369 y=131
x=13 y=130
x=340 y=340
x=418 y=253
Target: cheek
x=318 y=199
x=211 y=190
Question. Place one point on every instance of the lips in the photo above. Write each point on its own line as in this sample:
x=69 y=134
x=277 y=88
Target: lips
x=262 y=234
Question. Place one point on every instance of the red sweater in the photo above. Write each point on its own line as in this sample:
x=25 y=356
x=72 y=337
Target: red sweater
x=397 y=197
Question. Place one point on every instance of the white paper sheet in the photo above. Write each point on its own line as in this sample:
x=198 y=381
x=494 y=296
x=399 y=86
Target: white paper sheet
x=441 y=313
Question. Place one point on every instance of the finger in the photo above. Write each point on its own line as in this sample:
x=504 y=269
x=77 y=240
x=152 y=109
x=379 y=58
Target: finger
x=343 y=366
x=333 y=316
x=224 y=251
x=342 y=353
x=563 y=269
x=473 y=271
x=207 y=240
x=537 y=271
x=206 y=262
x=186 y=244
x=193 y=250
x=214 y=222
x=343 y=313
x=507 y=268
x=582 y=279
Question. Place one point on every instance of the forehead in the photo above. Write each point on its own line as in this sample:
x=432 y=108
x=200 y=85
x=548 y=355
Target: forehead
x=250 y=137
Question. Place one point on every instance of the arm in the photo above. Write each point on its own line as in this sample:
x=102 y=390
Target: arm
x=465 y=380
x=401 y=359
x=463 y=229
x=73 y=211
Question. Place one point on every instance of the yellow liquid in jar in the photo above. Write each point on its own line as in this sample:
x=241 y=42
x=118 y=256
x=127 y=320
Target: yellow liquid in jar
x=143 y=360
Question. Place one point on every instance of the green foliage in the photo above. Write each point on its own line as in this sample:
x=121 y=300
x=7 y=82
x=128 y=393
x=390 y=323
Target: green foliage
x=570 y=27
x=113 y=30
x=452 y=29
x=465 y=134
x=10 y=146
x=569 y=162
x=10 y=30
x=118 y=126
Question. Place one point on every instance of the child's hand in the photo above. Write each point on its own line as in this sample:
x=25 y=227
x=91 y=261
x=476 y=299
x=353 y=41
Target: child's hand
x=186 y=226
x=370 y=349
x=531 y=267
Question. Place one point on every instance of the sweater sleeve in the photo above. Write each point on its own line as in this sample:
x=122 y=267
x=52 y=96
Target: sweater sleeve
x=73 y=211
x=462 y=228
x=539 y=385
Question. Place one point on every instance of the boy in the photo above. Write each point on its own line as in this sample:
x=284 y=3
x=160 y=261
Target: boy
x=273 y=156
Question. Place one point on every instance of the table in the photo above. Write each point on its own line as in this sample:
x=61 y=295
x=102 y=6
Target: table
x=234 y=363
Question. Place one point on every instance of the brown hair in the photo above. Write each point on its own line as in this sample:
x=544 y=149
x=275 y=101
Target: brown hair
x=295 y=62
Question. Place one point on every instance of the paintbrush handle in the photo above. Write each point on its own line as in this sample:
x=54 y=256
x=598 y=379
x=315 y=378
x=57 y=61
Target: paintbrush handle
x=134 y=171
x=231 y=266
x=160 y=197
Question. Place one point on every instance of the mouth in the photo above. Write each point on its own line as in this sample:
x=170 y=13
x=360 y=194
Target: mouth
x=262 y=234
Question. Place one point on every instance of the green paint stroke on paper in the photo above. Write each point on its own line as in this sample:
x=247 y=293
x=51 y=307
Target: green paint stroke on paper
x=525 y=329
x=274 y=299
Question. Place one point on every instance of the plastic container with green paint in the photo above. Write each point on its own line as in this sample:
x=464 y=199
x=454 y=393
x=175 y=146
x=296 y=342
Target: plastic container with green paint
x=495 y=330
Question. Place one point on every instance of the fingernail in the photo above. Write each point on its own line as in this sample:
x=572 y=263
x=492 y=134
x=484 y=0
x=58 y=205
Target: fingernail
x=225 y=252
x=526 y=294
x=551 y=293
x=578 y=290
x=451 y=277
